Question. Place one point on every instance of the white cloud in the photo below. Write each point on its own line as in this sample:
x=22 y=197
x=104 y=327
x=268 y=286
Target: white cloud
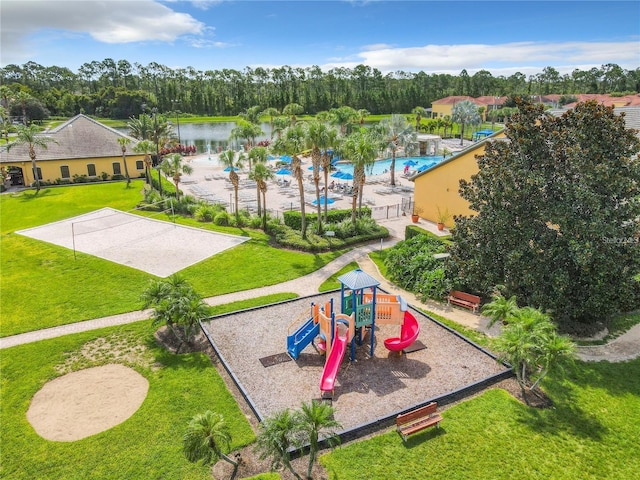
x=506 y=58
x=109 y=22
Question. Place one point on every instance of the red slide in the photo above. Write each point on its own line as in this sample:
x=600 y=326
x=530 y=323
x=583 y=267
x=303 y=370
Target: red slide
x=408 y=334
x=339 y=346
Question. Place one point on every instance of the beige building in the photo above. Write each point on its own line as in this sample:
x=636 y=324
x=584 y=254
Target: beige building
x=82 y=146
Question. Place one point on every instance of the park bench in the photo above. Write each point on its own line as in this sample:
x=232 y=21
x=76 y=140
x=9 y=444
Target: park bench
x=466 y=300
x=418 y=420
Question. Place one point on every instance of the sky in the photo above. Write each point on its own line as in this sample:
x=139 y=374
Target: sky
x=503 y=37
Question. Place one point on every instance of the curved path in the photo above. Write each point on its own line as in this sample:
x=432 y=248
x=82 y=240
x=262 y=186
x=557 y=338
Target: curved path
x=626 y=347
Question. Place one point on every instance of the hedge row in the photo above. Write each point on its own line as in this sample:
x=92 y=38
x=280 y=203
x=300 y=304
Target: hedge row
x=293 y=218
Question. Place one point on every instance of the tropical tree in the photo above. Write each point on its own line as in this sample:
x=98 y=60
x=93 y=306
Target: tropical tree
x=146 y=147
x=465 y=113
x=316 y=418
x=248 y=131
x=292 y=142
x=206 y=438
x=233 y=163
x=251 y=114
x=361 y=148
x=419 y=112
x=291 y=110
x=276 y=439
x=5 y=123
x=396 y=133
x=500 y=309
x=278 y=125
x=173 y=166
x=343 y=117
x=333 y=143
x=531 y=345
x=123 y=142
x=318 y=140
x=362 y=113
x=30 y=137
x=257 y=155
x=141 y=128
x=177 y=305
x=22 y=98
x=261 y=173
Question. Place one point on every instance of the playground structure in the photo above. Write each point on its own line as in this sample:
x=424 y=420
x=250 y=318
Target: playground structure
x=361 y=307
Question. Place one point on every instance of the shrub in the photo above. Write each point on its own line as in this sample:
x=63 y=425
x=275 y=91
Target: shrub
x=222 y=219
x=104 y=176
x=205 y=213
x=117 y=177
x=80 y=178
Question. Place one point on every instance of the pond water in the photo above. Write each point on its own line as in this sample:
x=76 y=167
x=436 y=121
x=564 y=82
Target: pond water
x=213 y=135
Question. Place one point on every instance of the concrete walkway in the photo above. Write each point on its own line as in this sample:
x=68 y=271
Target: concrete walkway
x=625 y=347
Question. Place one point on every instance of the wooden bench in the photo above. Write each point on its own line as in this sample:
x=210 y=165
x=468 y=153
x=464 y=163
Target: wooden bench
x=466 y=300
x=418 y=420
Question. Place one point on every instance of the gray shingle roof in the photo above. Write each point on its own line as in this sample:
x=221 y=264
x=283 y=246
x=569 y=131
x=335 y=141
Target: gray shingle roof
x=357 y=280
x=78 y=137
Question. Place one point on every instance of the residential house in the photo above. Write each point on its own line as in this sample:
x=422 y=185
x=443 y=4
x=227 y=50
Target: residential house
x=82 y=146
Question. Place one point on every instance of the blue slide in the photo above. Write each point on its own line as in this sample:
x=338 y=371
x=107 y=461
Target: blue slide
x=303 y=336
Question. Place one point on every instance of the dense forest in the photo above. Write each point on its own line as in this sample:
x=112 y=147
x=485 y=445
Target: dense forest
x=118 y=89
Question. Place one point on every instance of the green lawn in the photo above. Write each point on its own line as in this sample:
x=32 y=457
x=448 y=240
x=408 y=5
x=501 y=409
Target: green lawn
x=332 y=282
x=147 y=445
x=43 y=285
x=590 y=433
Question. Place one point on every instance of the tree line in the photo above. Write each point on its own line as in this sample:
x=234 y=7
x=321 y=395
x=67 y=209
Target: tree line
x=118 y=89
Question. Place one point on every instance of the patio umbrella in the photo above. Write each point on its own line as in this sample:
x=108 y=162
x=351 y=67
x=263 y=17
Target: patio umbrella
x=311 y=168
x=346 y=176
x=228 y=169
x=329 y=201
x=283 y=171
x=337 y=174
x=411 y=163
x=285 y=159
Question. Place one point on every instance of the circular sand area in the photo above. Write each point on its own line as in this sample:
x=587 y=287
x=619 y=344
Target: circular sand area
x=83 y=403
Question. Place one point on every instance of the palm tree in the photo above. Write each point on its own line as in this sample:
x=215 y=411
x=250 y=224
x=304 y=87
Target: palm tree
x=291 y=110
x=530 y=343
x=419 y=112
x=316 y=418
x=141 y=128
x=500 y=309
x=124 y=141
x=229 y=160
x=465 y=112
x=292 y=143
x=332 y=144
x=147 y=148
x=5 y=122
x=177 y=305
x=246 y=130
x=279 y=124
x=29 y=136
x=206 y=436
x=396 y=133
x=362 y=149
x=251 y=114
x=363 y=113
x=318 y=140
x=173 y=167
x=342 y=117
x=276 y=438
x=23 y=98
x=261 y=173
x=259 y=156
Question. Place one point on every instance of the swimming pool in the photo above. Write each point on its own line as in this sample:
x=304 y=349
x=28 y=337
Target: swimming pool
x=383 y=166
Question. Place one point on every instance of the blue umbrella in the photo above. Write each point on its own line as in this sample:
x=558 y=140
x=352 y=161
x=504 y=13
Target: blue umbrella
x=337 y=174
x=346 y=176
x=311 y=168
x=228 y=169
x=324 y=199
x=411 y=163
x=283 y=171
x=270 y=157
x=285 y=158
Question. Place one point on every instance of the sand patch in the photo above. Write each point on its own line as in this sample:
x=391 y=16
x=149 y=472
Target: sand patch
x=83 y=403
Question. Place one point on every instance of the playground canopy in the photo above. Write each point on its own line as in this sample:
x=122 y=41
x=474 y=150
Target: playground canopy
x=358 y=280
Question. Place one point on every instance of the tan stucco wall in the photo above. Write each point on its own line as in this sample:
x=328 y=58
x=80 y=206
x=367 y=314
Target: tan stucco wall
x=51 y=168
x=439 y=187
x=440 y=111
